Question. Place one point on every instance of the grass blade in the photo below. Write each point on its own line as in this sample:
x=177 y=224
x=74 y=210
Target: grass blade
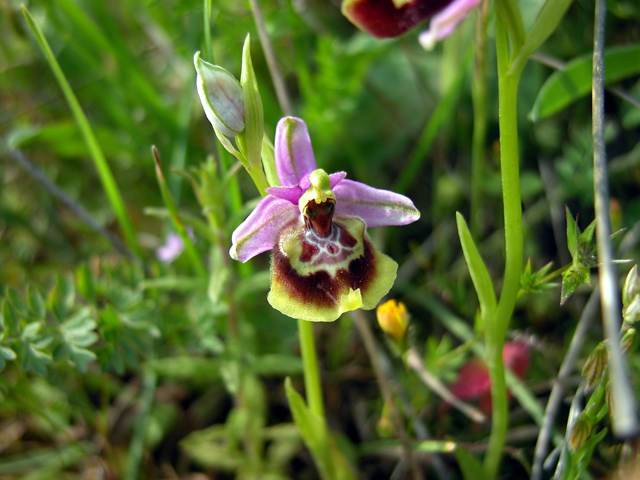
x=106 y=177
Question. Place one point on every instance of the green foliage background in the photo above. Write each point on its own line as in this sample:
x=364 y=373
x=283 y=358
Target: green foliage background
x=140 y=369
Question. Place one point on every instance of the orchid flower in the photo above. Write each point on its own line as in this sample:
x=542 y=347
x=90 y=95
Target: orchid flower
x=445 y=22
x=323 y=262
x=391 y=18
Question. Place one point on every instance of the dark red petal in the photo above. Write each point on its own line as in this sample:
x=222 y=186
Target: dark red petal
x=382 y=19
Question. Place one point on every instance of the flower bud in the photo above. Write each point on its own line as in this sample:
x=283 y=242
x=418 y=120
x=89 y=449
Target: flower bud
x=580 y=432
x=595 y=365
x=631 y=297
x=627 y=340
x=221 y=97
x=393 y=319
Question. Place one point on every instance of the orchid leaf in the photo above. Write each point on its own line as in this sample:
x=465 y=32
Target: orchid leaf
x=471 y=466
x=574 y=81
x=477 y=269
x=544 y=25
x=330 y=460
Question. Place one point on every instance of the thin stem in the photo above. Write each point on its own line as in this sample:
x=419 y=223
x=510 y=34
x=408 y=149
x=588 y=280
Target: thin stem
x=510 y=173
x=71 y=204
x=195 y=259
x=312 y=384
x=371 y=347
x=102 y=166
x=414 y=361
x=557 y=392
x=208 y=51
x=624 y=409
x=136 y=447
x=440 y=116
x=276 y=75
x=479 y=97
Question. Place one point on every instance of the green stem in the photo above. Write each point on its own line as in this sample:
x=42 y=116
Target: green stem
x=510 y=173
x=136 y=447
x=181 y=230
x=259 y=178
x=479 y=97
x=104 y=171
x=312 y=384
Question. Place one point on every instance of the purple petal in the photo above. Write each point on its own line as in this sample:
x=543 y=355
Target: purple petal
x=171 y=249
x=376 y=207
x=290 y=194
x=335 y=178
x=445 y=22
x=258 y=233
x=293 y=151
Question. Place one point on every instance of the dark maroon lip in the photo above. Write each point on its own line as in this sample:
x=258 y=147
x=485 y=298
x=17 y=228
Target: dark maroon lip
x=382 y=19
x=320 y=288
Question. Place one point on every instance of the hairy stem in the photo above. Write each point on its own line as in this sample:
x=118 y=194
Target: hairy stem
x=510 y=173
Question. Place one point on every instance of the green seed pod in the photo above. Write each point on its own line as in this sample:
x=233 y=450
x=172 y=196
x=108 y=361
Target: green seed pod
x=627 y=340
x=580 y=432
x=595 y=365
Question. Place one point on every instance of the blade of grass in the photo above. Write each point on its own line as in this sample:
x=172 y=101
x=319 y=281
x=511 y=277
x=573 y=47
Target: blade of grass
x=196 y=260
x=99 y=160
x=624 y=408
x=441 y=115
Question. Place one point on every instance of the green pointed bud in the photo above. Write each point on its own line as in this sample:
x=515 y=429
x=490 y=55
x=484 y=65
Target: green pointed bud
x=595 y=365
x=250 y=142
x=631 y=297
x=627 y=340
x=221 y=97
x=580 y=432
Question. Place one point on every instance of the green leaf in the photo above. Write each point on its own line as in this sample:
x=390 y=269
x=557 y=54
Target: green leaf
x=277 y=364
x=477 y=270
x=574 y=81
x=253 y=112
x=572 y=233
x=218 y=277
x=85 y=283
x=313 y=431
x=533 y=281
x=100 y=162
x=9 y=318
x=7 y=354
x=586 y=236
x=62 y=297
x=36 y=302
x=544 y=25
x=471 y=467
x=35 y=360
x=572 y=279
x=16 y=302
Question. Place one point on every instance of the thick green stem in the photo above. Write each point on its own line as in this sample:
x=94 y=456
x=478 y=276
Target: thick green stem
x=312 y=384
x=510 y=173
x=479 y=96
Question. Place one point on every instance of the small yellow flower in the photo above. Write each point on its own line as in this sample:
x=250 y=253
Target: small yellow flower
x=393 y=319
